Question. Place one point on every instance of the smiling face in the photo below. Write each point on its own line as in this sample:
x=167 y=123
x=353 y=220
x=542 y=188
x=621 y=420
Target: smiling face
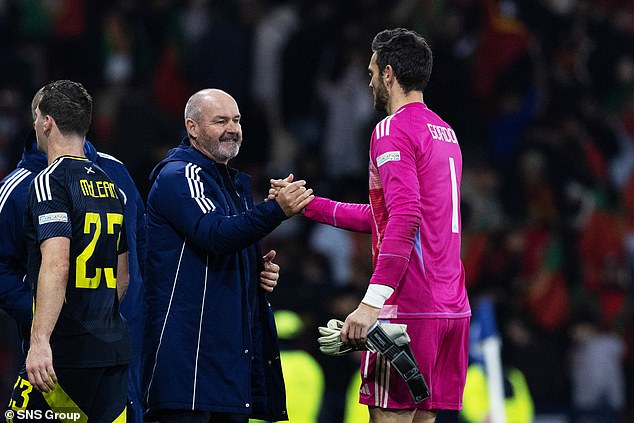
x=377 y=84
x=213 y=125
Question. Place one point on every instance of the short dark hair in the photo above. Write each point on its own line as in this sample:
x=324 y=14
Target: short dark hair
x=68 y=103
x=409 y=55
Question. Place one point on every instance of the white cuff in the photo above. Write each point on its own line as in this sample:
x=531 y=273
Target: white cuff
x=376 y=295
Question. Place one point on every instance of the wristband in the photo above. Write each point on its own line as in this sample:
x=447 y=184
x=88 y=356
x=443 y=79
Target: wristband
x=376 y=295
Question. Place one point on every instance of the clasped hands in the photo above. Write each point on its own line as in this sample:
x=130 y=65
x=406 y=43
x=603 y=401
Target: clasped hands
x=291 y=196
x=355 y=328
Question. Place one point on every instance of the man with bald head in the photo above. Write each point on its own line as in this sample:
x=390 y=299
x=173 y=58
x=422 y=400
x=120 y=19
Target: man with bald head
x=211 y=346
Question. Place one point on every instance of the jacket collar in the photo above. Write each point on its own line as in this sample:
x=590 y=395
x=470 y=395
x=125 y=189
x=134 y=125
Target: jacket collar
x=186 y=152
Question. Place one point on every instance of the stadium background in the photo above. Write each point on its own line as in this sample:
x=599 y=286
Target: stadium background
x=540 y=93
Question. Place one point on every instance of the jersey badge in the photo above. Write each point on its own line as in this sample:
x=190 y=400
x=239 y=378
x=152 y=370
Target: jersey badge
x=53 y=217
x=390 y=156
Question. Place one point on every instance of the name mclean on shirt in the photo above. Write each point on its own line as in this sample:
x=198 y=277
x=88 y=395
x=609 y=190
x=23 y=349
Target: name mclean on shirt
x=98 y=189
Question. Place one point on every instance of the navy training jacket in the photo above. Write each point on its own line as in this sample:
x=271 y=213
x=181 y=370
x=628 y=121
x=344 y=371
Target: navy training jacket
x=208 y=347
x=15 y=295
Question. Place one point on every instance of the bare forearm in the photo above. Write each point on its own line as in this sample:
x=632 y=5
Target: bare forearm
x=51 y=290
x=123 y=275
x=122 y=287
x=51 y=287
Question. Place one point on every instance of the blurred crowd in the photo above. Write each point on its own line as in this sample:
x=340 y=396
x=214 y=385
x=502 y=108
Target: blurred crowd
x=539 y=92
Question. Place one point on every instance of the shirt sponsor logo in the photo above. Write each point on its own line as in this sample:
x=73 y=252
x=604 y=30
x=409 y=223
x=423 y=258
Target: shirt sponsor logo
x=53 y=217
x=390 y=156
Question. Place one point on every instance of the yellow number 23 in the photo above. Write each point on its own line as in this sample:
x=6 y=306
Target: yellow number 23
x=92 y=224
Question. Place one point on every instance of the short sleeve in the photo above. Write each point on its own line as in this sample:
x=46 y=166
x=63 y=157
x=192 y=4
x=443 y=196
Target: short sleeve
x=51 y=207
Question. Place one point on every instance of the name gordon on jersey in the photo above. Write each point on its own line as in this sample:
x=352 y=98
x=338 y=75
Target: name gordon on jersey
x=442 y=133
x=98 y=189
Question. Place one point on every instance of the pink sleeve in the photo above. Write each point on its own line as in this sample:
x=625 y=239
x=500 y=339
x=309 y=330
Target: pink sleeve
x=353 y=217
x=399 y=180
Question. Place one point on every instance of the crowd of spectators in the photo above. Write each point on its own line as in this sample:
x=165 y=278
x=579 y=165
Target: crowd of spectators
x=539 y=92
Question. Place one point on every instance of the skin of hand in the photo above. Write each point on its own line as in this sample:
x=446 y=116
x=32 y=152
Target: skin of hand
x=271 y=272
x=39 y=366
x=294 y=197
x=355 y=328
x=277 y=185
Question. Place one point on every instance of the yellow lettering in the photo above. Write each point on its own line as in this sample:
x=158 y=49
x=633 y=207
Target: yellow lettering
x=100 y=190
x=87 y=188
x=104 y=189
x=113 y=190
x=82 y=184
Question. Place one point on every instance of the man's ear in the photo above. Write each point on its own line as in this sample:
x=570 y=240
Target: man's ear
x=388 y=75
x=192 y=127
x=47 y=124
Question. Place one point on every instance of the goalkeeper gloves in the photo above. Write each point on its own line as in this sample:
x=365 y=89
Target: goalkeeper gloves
x=330 y=342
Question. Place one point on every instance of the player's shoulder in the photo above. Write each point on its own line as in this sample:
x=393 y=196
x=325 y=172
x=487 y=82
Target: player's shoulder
x=173 y=176
x=114 y=168
x=65 y=168
x=180 y=168
x=108 y=158
x=49 y=180
x=388 y=126
x=55 y=168
x=17 y=178
x=14 y=188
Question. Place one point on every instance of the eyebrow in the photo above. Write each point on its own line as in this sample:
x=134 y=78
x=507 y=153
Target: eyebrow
x=216 y=117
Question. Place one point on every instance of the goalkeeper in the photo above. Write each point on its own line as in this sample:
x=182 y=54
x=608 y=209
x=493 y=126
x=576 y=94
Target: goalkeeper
x=414 y=217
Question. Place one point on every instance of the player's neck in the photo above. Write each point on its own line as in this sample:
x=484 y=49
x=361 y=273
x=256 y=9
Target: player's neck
x=64 y=146
x=398 y=99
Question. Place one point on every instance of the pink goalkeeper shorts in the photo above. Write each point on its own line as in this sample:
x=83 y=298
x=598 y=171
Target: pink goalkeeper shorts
x=441 y=350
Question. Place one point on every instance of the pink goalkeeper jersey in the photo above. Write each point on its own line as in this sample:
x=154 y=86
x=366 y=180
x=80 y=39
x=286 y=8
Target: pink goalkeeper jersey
x=414 y=215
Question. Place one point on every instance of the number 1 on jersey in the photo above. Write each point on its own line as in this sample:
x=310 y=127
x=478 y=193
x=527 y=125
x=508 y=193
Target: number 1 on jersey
x=454 y=197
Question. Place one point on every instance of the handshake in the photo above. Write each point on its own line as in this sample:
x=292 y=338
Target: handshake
x=292 y=196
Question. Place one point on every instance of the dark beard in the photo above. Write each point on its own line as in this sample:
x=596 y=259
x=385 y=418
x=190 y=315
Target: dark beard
x=380 y=98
